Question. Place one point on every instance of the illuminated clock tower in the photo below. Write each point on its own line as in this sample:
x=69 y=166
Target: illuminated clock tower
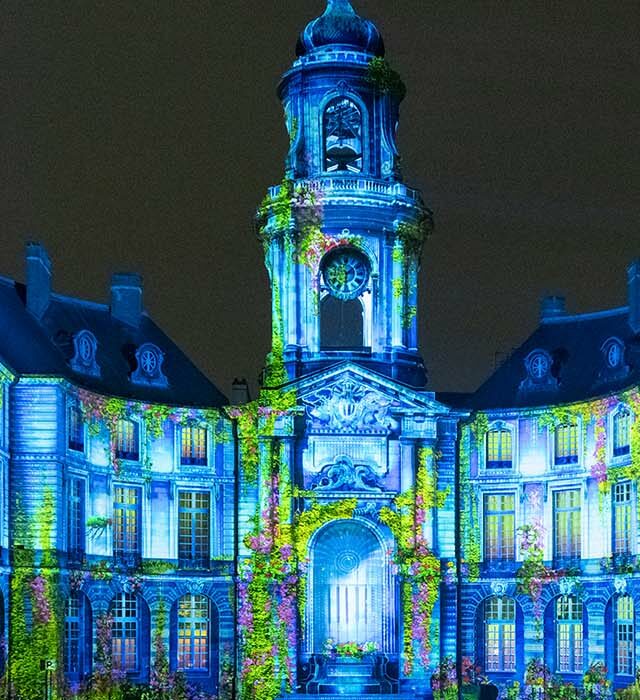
x=342 y=233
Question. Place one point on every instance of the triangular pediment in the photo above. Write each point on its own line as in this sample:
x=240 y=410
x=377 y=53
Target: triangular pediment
x=348 y=397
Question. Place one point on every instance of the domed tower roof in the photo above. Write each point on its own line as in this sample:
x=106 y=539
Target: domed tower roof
x=339 y=25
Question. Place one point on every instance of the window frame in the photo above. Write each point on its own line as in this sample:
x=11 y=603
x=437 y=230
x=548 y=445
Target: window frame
x=72 y=445
x=193 y=461
x=123 y=623
x=76 y=532
x=501 y=514
x=126 y=554
x=569 y=632
x=568 y=459
x=628 y=632
x=129 y=455
x=191 y=623
x=570 y=555
x=500 y=466
x=621 y=453
x=506 y=634
x=616 y=506
x=193 y=561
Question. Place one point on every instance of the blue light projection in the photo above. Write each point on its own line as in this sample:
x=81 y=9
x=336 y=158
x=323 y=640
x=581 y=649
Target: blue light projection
x=348 y=532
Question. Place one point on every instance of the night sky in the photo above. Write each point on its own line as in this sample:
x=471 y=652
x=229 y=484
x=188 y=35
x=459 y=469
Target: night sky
x=141 y=135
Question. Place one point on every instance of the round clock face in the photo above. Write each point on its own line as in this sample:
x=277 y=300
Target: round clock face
x=345 y=272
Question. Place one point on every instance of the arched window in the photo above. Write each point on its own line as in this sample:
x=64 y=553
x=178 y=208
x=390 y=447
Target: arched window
x=341 y=323
x=621 y=432
x=569 y=634
x=499 y=449
x=624 y=635
x=567 y=444
x=193 y=633
x=125 y=632
x=500 y=633
x=342 y=126
x=77 y=635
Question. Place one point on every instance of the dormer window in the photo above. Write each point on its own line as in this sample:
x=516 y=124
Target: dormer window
x=342 y=125
x=85 y=346
x=149 y=360
x=621 y=432
x=499 y=448
x=613 y=351
x=538 y=365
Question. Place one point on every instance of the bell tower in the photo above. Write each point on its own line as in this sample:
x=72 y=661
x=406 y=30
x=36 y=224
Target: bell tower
x=342 y=233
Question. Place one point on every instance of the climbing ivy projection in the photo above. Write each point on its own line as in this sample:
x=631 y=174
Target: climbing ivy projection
x=36 y=610
x=385 y=79
x=98 y=411
x=419 y=567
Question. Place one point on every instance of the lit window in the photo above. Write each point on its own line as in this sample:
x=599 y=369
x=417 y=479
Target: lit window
x=126 y=523
x=73 y=626
x=566 y=517
x=75 y=520
x=624 y=633
x=193 y=529
x=500 y=634
x=76 y=429
x=193 y=633
x=125 y=632
x=622 y=517
x=567 y=444
x=621 y=433
x=499 y=449
x=342 y=137
x=194 y=446
x=569 y=634
x=499 y=527
x=127 y=442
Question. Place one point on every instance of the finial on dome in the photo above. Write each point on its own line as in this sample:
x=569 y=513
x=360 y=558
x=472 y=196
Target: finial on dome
x=340 y=25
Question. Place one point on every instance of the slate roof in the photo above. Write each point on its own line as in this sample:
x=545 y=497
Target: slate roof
x=579 y=370
x=45 y=347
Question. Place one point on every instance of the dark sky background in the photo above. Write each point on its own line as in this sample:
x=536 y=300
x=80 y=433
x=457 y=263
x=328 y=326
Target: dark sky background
x=141 y=135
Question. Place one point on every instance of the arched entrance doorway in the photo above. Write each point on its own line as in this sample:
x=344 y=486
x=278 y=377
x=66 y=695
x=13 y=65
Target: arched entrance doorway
x=350 y=597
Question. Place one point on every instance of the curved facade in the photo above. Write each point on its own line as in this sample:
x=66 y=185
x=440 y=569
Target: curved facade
x=348 y=532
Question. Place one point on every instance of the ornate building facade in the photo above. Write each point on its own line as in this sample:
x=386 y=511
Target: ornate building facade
x=349 y=532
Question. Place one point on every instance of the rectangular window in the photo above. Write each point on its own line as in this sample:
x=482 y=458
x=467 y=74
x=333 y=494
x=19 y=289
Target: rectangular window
x=75 y=520
x=567 y=444
x=569 y=634
x=499 y=449
x=76 y=429
x=622 y=514
x=566 y=519
x=127 y=440
x=621 y=433
x=126 y=524
x=193 y=446
x=499 y=527
x=500 y=634
x=624 y=635
x=194 y=529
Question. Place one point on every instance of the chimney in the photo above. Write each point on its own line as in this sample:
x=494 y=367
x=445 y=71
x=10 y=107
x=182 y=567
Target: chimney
x=126 y=297
x=239 y=392
x=633 y=287
x=552 y=307
x=38 y=279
